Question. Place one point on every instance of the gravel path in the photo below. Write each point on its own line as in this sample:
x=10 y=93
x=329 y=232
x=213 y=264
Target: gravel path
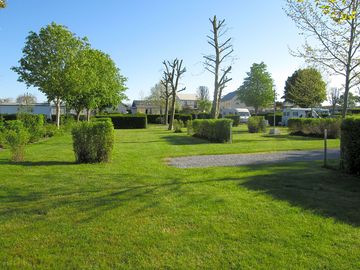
x=250 y=159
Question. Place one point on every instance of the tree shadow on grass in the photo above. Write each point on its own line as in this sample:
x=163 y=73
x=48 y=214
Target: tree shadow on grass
x=325 y=192
x=184 y=140
x=37 y=163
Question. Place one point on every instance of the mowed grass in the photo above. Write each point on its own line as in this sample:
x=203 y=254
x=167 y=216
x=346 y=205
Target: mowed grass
x=138 y=213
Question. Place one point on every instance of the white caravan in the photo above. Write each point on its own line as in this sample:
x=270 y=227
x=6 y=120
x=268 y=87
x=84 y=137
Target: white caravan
x=298 y=113
x=244 y=114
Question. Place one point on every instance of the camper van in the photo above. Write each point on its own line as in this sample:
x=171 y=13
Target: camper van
x=299 y=113
x=244 y=114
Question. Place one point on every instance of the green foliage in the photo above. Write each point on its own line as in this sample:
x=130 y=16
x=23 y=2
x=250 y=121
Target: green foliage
x=305 y=88
x=201 y=116
x=178 y=124
x=270 y=118
x=15 y=136
x=315 y=127
x=257 y=89
x=127 y=121
x=214 y=130
x=235 y=118
x=93 y=141
x=183 y=117
x=8 y=117
x=34 y=123
x=350 y=145
x=204 y=105
x=256 y=124
x=45 y=59
x=154 y=119
x=2 y=4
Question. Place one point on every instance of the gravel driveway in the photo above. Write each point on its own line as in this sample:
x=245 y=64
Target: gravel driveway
x=250 y=159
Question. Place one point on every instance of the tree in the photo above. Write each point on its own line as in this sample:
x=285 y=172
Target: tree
x=334 y=97
x=26 y=99
x=46 y=56
x=6 y=100
x=166 y=95
x=352 y=100
x=257 y=88
x=306 y=88
x=2 y=3
x=173 y=72
x=157 y=96
x=95 y=82
x=204 y=103
x=334 y=29
x=214 y=63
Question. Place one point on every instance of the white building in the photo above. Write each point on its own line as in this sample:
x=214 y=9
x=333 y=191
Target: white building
x=37 y=108
x=187 y=101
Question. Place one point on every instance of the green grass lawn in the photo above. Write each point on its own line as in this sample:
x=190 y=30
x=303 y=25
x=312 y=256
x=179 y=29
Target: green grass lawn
x=136 y=212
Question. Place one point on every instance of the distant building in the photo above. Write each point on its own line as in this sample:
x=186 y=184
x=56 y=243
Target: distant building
x=146 y=106
x=187 y=101
x=231 y=101
x=121 y=108
x=37 y=108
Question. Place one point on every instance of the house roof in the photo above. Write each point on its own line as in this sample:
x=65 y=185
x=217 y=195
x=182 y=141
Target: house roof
x=187 y=96
x=143 y=103
x=229 y=96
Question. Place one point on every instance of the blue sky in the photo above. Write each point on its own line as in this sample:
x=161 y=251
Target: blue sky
x=140 y=34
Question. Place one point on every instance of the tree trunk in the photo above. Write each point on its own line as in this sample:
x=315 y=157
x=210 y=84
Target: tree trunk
x=78 y=116
x=88 y=111
x=214 y=109
x=58 y=112
x=166 y=120
x=346 y=94
x=172 y=116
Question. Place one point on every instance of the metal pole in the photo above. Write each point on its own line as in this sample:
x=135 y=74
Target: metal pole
x=325 y=148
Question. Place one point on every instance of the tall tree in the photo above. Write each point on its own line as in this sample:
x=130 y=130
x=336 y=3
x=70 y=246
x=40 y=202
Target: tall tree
x=46 y=56
x=334 y=97
x=156 y=96
x=95 y=82
x=2 y=3
x=352 y=100
x=257 y=89
x=166 y=95
x=214 y=63
x=26 y=99
x=203 y=99
x=174 y=70
x=306 y=88
x=334 y=28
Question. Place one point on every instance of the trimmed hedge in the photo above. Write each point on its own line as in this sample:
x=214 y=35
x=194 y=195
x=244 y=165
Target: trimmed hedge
x=34 y=123
x=350 y=145
x=126 y=121
x=9 y=117
x=154 y=118
x=93 y=141
x=256 y=124
x=315 y=127
x=201 y=116
x=214 y=130
x=278 y=118
x=235 y=118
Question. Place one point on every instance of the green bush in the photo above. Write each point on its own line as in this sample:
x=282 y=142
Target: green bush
x=127 y=121
x=93 y=141
x=154 y=118
x=34 y=123
x=270 y=118
x=178 y=124
x=235 y=118
x=215 y=130
x=50 y=130
x=182 y=117
x=9 y=117
x=256 y=124
x=201 y=116
x=315 y=127
x=350 y=145
x=15 y=136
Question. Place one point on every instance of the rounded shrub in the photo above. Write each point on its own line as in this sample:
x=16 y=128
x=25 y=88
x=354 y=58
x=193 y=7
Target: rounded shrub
x=256 y=124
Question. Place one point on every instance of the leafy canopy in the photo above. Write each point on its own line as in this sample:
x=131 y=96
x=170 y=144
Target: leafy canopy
x=306 y=88
x=257 y=89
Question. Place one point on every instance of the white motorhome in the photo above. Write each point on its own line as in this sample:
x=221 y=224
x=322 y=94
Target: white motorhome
x=244 y=114
x=298 y=113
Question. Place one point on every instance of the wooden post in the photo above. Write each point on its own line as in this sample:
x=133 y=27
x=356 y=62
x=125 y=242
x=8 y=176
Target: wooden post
x=325 y=148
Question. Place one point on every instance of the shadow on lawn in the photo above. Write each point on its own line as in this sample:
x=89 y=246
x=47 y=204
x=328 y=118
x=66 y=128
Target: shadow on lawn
x=184 y=140
x=324 y=192
x=37 y=163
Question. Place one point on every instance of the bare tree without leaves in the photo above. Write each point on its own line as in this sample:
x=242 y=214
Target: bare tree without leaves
x=202 y=93
x=26 y=99
x=214 y=62
x=173 y=71
x=166 y=95
x=333 y=28
x=334 y=97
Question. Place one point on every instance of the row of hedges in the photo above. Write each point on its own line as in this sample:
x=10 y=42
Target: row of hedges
x=350 y=145
x=158 y=119
x=127 y=121
x=256 y=124
x=315 y=127
x=235 y=118
x=214 y=130
x=93 y=141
